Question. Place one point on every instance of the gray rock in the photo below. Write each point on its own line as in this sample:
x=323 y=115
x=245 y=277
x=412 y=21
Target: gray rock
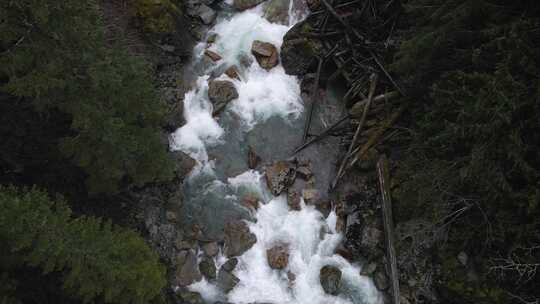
x=210 y=249
x=207 y=268
x=190 y=297
x=265 y=53
x=184 y=164
x=277 y=11
x=278 y=256
x=298 y=51
x=187 y=270
x=380 y=280
x=246 y=4
x=279 y=176
x=171 y=216
x=368 y=269
x=230 y=265
x=221 y=92
x=238 y=238
x=207 y=14
x=175 y=117
x=330 y=278
x=226 y=280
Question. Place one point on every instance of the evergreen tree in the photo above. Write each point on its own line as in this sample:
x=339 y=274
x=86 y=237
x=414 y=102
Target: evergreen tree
x=98 y=261
x=54 y=53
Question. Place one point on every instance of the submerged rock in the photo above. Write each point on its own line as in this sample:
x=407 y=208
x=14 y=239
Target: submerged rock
x=250 y=202
x=278 y=256
x=265 y=53
x=242 y=5
x=187 y=270
x=279 y=176
x=298 y=51
x=238 y=238
x=330 y=278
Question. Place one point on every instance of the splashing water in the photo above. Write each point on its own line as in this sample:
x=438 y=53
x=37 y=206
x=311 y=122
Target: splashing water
x=264 y=96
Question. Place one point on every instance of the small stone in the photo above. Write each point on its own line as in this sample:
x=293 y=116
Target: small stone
x=232 y=72
x=226 y=280
x=330 y=278
x=171 y=216
x=253 y=158
x=212 y=37
x=380 y=280
x=230 y=265
x=278 y=256
x=210 y=249
x=310 y=195
x=212 y=55
x=208 y=268
x=238 y=238
x=293 y=200
x=291 y=276
x=369 y=269
x=251 y=202
x=463 y=258
x=265 y=53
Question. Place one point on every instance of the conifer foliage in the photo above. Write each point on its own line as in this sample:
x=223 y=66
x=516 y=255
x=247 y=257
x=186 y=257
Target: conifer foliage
x=99 y=261
x=55 y=54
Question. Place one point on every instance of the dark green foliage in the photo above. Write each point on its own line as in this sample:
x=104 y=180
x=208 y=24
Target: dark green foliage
x=54 y=52
x=98 y=261
x=474 y=67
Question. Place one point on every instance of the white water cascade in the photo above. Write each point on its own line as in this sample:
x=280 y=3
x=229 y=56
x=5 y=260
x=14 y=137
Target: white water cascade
x=268 y=100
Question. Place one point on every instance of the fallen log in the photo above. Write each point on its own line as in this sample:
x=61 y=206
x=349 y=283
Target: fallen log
x=357 y=108
x=384 y=182
x=326 y=132
x=314 y=97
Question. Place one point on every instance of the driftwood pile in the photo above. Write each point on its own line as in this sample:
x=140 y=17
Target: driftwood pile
x=356 y=37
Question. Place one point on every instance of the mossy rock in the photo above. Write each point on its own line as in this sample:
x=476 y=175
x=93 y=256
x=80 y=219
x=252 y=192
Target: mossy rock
x=156 y=16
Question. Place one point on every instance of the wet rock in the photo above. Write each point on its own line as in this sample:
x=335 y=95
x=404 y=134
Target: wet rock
x=304 y=172
x=221 y=92
x=206 y=14
x=171 y=216
x=250 y=202
x=232 y=72
x=246 y=4
x=310 y=195
x=330 y=278
x=212 y=55
x=245 y=60
x=230 y=264
x=207 y=267
x=344 y=252
x=279 y=176
x=278 y=256
x=293 y=200
x=184 y=164
x=291 y=276
x=238 y=238
x=253 y=158
x=265 y=53
x=175 y=117
x=380 y=280
x=187 y=269
x=210 y=249
x=298 y=51
x=190 y=297
x=226 y=280
x=277 y=11
x=369 y=269
x=212 y=37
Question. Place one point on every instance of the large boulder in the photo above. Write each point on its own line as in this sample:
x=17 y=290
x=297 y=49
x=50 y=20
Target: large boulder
x=242 y=5
x=298 y=51
x=265 y=53
x=280 y=175
x=277 y=11
x=187 y=270
x=330 y=278
x=238 y=238
x=278 y=256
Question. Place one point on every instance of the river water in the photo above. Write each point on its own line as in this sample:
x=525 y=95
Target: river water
x=269 y=116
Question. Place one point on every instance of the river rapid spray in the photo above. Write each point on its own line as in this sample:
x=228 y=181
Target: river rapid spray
x=269 y=106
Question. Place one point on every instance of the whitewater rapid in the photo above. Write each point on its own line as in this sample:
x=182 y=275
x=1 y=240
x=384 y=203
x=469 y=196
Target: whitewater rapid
x=263 y=96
